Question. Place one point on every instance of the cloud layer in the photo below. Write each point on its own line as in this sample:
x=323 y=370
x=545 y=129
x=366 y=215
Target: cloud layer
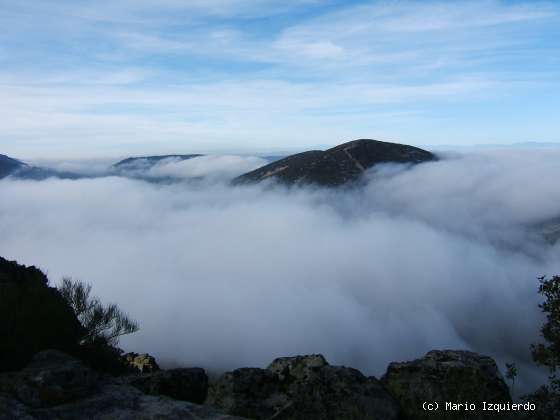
x=212 y=168
x=443 y=255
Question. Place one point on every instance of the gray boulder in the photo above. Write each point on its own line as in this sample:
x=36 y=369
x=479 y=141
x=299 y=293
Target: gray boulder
x=114 y=402
x=299 y=367
x=126 y=402
x=57 y=386
x=250 y=392
x=51 y=378
x=180 y=384
x=446 y=376
x=303 y=387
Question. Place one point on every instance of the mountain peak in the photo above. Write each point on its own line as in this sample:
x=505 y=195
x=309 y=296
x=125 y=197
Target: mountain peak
x=338 y=165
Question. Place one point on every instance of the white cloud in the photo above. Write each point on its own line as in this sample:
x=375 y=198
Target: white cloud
x=88 y=167
x=222 y=167
x=211 y=168
x=125 y=74
x=221 y=116
x=154 y=12
x=411 y=33
x=439 y=256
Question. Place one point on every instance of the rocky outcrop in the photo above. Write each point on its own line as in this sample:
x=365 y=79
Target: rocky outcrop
x=303 y=387
x=249 y=392
x=337 y=166
x=190 y=384
x=33 y=316
x=52 y=378
x=446 y=376
x=143 y=363
x=57 y=386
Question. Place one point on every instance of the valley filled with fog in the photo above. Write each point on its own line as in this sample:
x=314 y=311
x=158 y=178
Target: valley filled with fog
x=444 y=254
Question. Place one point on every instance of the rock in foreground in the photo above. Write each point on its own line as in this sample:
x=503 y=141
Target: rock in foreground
x=57 y=386
x=446 y=376
x=337 y=166
x=302 y=388
x=190 y=384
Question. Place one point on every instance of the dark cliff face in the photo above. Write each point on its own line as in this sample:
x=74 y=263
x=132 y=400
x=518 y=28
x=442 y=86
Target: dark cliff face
x=337 y=166
x=8 y=166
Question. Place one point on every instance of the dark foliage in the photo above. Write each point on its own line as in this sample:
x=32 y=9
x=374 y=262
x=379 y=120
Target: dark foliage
x=102 y=323
x=33 y=316
x=36 y=317
x=103 y=357
x=548 y=353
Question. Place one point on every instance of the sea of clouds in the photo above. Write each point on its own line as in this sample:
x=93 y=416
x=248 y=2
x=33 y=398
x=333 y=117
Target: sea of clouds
x=441 y=255
x=213 y=168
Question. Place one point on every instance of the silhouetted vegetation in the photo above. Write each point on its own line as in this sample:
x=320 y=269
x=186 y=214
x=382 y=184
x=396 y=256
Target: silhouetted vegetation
x=33 y=316
x=511 y=374
x=102 y=323
x=548 y=353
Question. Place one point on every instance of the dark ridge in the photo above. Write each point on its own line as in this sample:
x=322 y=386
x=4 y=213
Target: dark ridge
x=336 y=166
x=39 y=174
x=20 y=170
x=8 y=166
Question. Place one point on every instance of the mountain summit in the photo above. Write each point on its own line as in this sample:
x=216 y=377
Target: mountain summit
x=336 y=166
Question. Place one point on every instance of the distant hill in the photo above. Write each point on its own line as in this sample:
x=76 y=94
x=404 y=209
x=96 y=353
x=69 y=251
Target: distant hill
x=146 y=162
x=336 y=166
x=9 y=166
x=21 y=170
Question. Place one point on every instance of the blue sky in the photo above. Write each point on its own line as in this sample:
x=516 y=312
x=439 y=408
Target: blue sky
x=118 y=77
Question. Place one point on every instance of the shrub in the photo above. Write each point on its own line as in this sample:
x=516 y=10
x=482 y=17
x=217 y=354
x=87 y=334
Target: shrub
x=548 y=353
x=102 y=323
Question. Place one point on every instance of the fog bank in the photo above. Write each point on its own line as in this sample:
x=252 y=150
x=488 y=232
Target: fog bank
x=441 y=255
